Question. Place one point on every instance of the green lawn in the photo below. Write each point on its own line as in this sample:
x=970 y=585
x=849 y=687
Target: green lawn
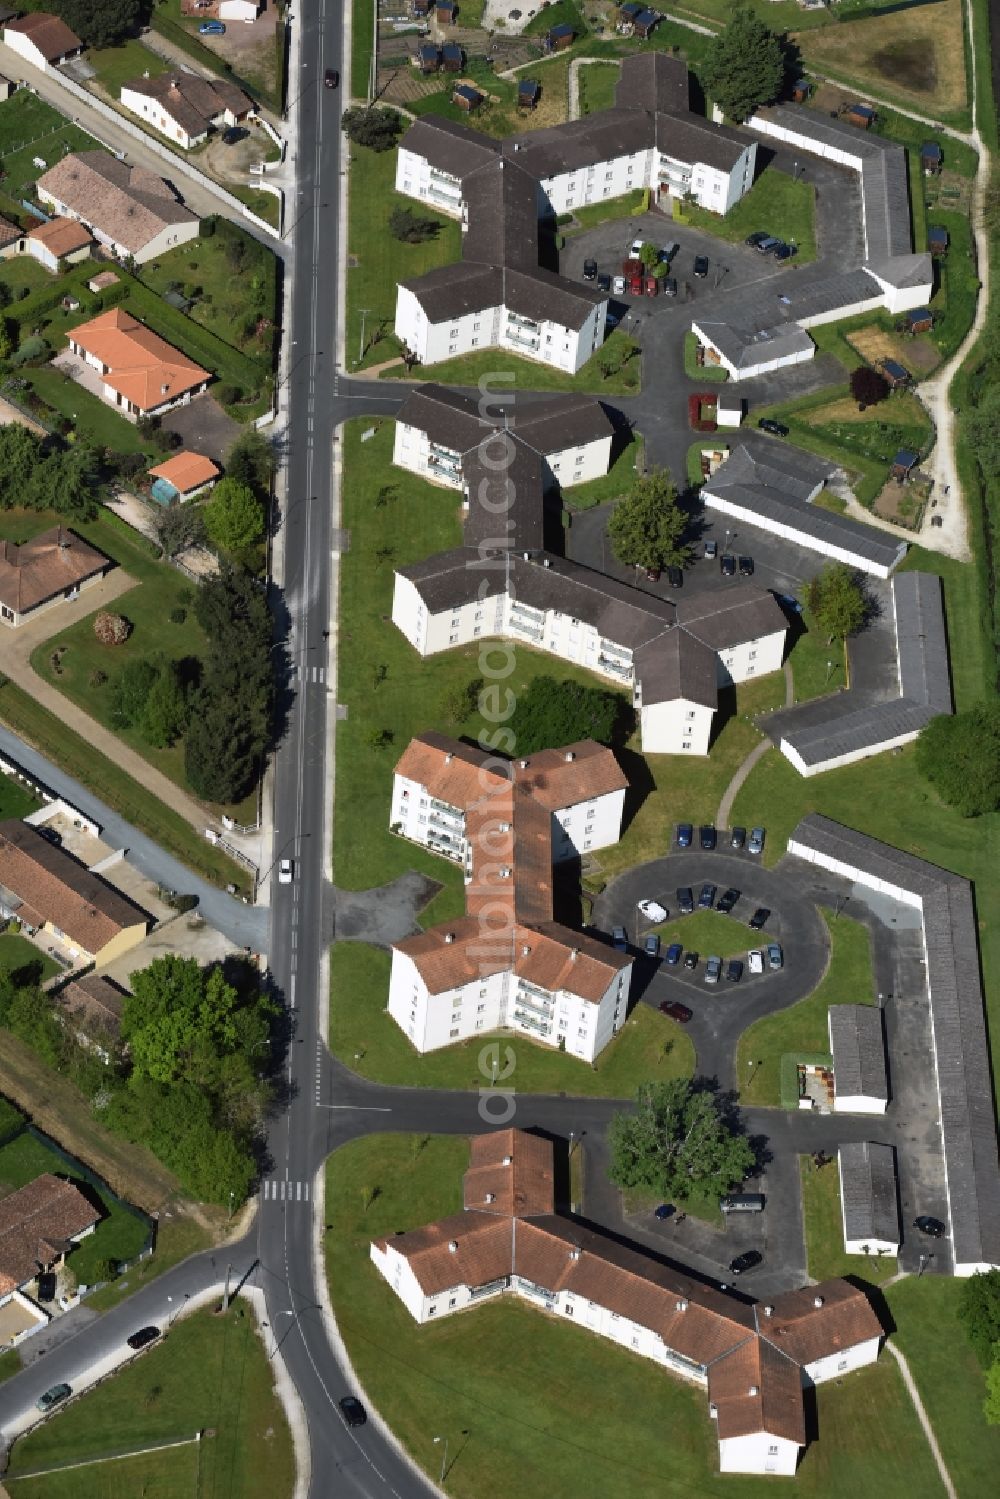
x=592 y=214
x=954 y=302
x=123 y=63
x=28 y=128
x=15 y=800
x=264 y=205
x=10 y=1364
x=18 y=954
x=371 y=1043
x=582 y=1416
x=701 y=372
x=598 y=82
x=802 y=1028
x=948 y=1377
x=497 y=115
x=531 y=374
x=706 y=932
x=559 y=13
x=362 y=27
x=238 y=290
x=209 y=1373
x=156 y=1475
x=778 y=203
x=92 y=418
x=613 y=484
x=825 y=1253
x=817 y=668
x=21 y=272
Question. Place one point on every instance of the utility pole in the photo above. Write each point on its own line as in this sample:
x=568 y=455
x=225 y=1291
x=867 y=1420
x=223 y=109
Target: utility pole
x=364 y=313
x=225 y=1294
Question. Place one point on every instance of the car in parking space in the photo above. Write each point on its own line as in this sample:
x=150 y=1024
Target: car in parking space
x=713 y=967
x=143 y=1337
x=676 y=1011
x=756 y=844
x=331 y=78
x=746 y=567
x=653 y=574
x=734 y=970
x=52 y=1396
x=685 y=833
x=618 y=287
x=706 y=900
x=757 y=238
x=675 y=577
x=768 y=244
x=755 y=960
x=785 y=252
x=674 y=954
x=604 y=283
x=652 y=947
x=590 y=270
x=748 y=1260
x=775 y=957
x=669 y=251
x=928 y=1225
x=707 y=837
x=352 y=1410
x=619 y=938
x=670 y=286
x=285 y=871
x=737 y=837
x=759 y=918
x=691 y=961
x=234 y=135
x=685 y=900
x=727 y=565
x=701 y=266
x=45 y=1286
x=776 y=429
x=787 y=601
x=635 y=249
x=711 y=550
x=665 y=1210
x=652 y=910
x=728 y=900
x=211 y=28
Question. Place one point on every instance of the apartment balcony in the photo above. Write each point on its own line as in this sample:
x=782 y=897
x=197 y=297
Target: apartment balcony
x=615 y=667
x=445 y=809
x=531 y=632
x=534 y=616
x=438 y=195
x=444 y=458
x=491 y=1288
x=531 y=994
x=535 y=1005
x=522 y=339
x=514 y=320
x=616 y=652
x=529 y=1023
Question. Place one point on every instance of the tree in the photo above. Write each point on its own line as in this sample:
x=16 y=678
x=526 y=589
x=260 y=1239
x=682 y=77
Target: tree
x=868 y=387
x=177 y=1010
x=250 y=460
x=234 y=517
x=551 y=713
x=375 y=126
x=838 y=601
x=131 y=690
x=8 y=337
x=409 y=227
x=678 y=1138
x=982 y=431
x=461 y=702
x=649 y=255
x=99 y=23
x=991 y=1405
x=744 y=65
x=979 y=1314
x=960 y=756
x=647 y=524
x=178 y=527
x=164 y=715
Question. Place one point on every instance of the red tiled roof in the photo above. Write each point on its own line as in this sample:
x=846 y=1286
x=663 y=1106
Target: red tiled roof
x=186 y=471
x=36 y=1225
x=55 y=888
x=510 y=1174
x=754 y=1388
x=46 y=565
x=141 y=365
x=62 y=236
x=48 y=33
x=818 y=1320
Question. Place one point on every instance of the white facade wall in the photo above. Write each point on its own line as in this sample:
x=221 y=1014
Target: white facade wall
x=904 y=298
x=759 y=1452
x=595 y=823
x=418 y=179
x=801 y=538
x=497 y=327
x=843 y=1361
x=239 y=10
x=579 y=464
x=412 y=449
x=24 y=47
x=168 y=238
x=677 y=728
x=153 y=113
x=836 y=761
x=595 y=183
x=854 y=874
x=858 y=1103
x=842 y=155
x=751 y=658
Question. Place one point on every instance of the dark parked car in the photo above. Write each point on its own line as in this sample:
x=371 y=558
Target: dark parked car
x=676 y=1011
x=749 y=1260
x=706 y=900
x=768 y=424
x=685 y=900
x=352 y=1410
x=652 y=946
x=604 y=283
x=52 y=1397
x=674 y=954
x=727 y=565
x=728 y=901
x=619 y=938
x=590 y=270
x=758 y=238
x=707 y=837
x=758 y=920
x=785 y=252
x=665 y=1210
x=234 y=135
x=932 y=1226
x=685 y=833
x=670 y=286
x=746 y=567
x=691 y=960
x=737 y=837
x=47 y=1286
x=734 y=970
x=143 y=1337
x=701 y=266
x=711 y=550
x=331 y=78
x=675 y=577
x=51 y=835
x=767 y=245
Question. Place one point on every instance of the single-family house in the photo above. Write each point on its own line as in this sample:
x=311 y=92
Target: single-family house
x=467 y=97
x=869 y=1198
x=142 y=373
x=131 y=210
x=10 y=239
x=52 y=566
x=896 y=375
x=559 y=37
x=58 y=243
x=919 y=320
x=39 y=1225
x=861 y=115
x=527 y=93
x=185 y=107
x=41 y=39
x=182 y=477
x=931 y=159
x=903 y=464
x=48 y=891
x=91 y=1007
x=937 y=240
x=7 y=87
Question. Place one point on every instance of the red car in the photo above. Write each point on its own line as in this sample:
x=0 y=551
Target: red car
x=676 y=1011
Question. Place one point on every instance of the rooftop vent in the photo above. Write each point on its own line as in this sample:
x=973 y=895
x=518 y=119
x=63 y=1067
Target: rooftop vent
x=680 y=1306
x=547 y=562
x=713 y=1410
x=508 y=1160
x=448 y=758
x=769 y=1311
x=574 y=1253
x=523 y=764
x=526 y=556
x=504 y=827
x=753 y=1391
x=449 y=936
x=574 y=953
x=489 y=1197
x=817 y=1302
x=569 y=757
x=164 y=389
x=452 y=1245
x=505 y=874
x=525 y=950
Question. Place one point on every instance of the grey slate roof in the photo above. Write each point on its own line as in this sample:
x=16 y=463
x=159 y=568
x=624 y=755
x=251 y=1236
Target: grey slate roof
x=958 y=1027
x=655 y=82
x=451 y=291
x=501 y=201
x=581 y=143
x=691 y=138
x=746 y=346
x=868 y=1187
x=449 y=146
x=921 y=641
x=676 y=666
x=870 y=729
x=858 y=1048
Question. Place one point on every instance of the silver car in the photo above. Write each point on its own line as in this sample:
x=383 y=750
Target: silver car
x=755 y=844
x=775 y=957
x=712 y=970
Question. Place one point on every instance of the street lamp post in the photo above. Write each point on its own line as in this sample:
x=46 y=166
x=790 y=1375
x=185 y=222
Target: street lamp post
x=444 y=1458
x=364 y=313
x=829 y=671
x=178 y=1307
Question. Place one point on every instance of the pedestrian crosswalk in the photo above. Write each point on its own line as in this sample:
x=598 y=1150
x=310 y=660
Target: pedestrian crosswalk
x=317 y=674
x=276 y=1189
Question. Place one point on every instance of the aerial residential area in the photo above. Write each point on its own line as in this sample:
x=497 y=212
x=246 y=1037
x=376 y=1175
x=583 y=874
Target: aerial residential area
x=499 y=749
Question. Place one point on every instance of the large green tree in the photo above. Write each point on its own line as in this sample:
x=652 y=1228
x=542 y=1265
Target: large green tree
x=647 y=525
x=165 y=711
x=178 y=1019
x=99 y=23
x=744 y=65
x=837 y=600
x=979 y=1313
x=550 y=713
x=233 y=517
x=250 y=460
x=960 y=756
x=677 y=1138
x=131 y=689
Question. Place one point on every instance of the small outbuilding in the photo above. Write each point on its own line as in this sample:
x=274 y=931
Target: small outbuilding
x=466 y=97
x=560 y=37
x=937 y=241
x=857 y=1046
x=527 y=93
x=445 y=12
x=729 y=410
x=182 y=477
x=103 y=281
x=861 y=115
x=919 y=320
x=428 y=58
x=931 y=159
x=800 y=90
x=7 y=87
x=904 y=463
x=646 y=23
x=896 y=375
x=869 y=1203
x=452 y=57
x=420 y=7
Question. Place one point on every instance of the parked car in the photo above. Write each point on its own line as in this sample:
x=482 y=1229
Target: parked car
x=212 y=28
x=748 y=1260
x=728 y=900
x=590 y=270
x=653 y=574
x=652 y=910
x=331 y=78
x=46 y=1286
x=674 y=954
x=746 y=567
x=927 y=1225
x=618 y=287
x=701 y=266
x=757 y=238
x=285 y=870
x=604 y=283
x=652 y=947
x=52 y=1397
x=143 y=1337
x=669 y=251
x=670 y=286
x=755 y=960
x=775 y=957
x=707 y=837
x=785 y=252
x=234 y=135
x=756 y=844
x=727 y=565
x=759 y=918
x=706 y=900
x=768 y=424
x=665 y=1210
x=691 y=961
x=635 y=249
x=352 y=1410
x=685 y=900
x=734 y=970
x=788 y=602
x=51 y=835
x=737 y=837
x=619 y=938
x=685 y=833
x=769 y=243
x=711 y=550
x=713 y=967
x=675 y=577
x=676 y=1011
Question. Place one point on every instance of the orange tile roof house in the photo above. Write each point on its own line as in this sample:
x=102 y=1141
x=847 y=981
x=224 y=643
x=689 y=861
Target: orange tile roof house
x=39 y=1225
x=52 y=566
x=48 y=891
x=187 y=474
x=59 y=242
x=184 y=107
x=755 y=1361
x=143 y=374
x=42 y=39
x=132 y=211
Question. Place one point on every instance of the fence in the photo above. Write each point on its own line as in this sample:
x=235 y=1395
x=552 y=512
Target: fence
x=52 y=800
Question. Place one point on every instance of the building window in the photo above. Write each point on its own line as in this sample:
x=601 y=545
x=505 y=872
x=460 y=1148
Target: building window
x=753 y=655
x=452 y=348
x=690 y=713
x=452 y=639
x=772 y=1451
x=476 y=327
x=475 y=343
x=478 y=630
x=431 y=1310
x=685 y=744
x=568 y=1309
x=453 y=1301
x=453 y=333
x=480 y=1009
x=453 y=1033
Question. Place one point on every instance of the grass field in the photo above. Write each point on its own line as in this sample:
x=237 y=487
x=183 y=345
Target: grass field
x=128 y=60
x=802 y=1028
x=17 y=954
x=583 y=1416
x=707 y=932
x=156 y=1475
x=237 y=292
x=912 y=54
x=613 y=484
x=209 y=1372
x=825 y=1253
x=369 y=1041
x=15 y=800
x=597 y=87
x=778 y=203
x=714 y=373
x=28 y=128
x=362 y=31
x=530 y=374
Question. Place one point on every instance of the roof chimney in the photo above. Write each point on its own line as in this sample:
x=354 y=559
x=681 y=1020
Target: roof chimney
x=817 y=1302
x=449 y=936
x=508 y=1160
x=680 y=1306
x=448 y=758
x=753 y=1390
x=525 y=950
x=452 y=1245
x=164 y=389
x=526 y=556
x=569 y=757
x=547 y=562
x=713 y=1410
x=574 y=953
x=769 y=1311
x=523 y=764
x=489 y=1197
x=574 y=1253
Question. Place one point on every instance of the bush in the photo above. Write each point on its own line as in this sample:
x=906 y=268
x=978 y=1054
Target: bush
x=178 y=616
x=112 y=629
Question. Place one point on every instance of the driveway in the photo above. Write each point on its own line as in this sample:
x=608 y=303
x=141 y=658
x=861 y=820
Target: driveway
x=203 y=427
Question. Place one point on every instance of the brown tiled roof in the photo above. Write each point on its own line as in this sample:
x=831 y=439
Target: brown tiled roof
x=515 y=1169
x=36 y=1226
x=8 y=232
x=94 y=998
x=818 y=1320
x=48 y=33
x=482 y=1251
x=46 y=565
x=103 y=280
x=453 y=772
x=191 y=101
x=52 y=884
x=128 y=204
x=755 y=1388
x=475 y=952
x=140 y=365
x=62 y=236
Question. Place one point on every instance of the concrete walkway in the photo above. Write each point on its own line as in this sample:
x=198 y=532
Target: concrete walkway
x=573 y=101
x=757 y=753
x=923 y=1418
